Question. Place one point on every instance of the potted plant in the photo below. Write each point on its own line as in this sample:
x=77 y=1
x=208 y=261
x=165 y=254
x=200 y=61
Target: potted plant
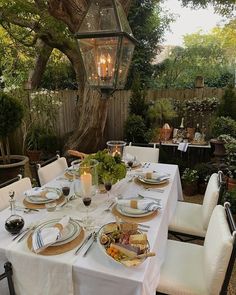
x=222 y=126
x=33 y=148
x=11 y=114
x=230 y=147
x=189 y=180
x=204 y=171
x=230 y=196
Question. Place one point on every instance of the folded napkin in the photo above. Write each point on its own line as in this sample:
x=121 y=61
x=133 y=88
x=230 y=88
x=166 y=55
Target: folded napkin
x=36 y=191
x=183 y=146
x=43 y=238
x=147 y=205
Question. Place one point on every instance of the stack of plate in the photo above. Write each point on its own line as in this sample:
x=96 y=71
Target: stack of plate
x=159 y=179
x=132 y=212
x=49 y=195
x=69 y=233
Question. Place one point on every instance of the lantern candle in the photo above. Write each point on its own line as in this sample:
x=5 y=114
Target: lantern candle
x=86 y=183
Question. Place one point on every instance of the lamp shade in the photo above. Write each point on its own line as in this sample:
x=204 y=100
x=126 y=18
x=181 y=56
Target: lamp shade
x=106 y=43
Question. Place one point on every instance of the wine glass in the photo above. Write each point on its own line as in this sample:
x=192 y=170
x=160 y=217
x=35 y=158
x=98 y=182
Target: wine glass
x=87 y=220
x=108 y=181
x=130 y=160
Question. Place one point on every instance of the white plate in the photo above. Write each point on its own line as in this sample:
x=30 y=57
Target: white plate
x=69 y=233
x=132 y=212
x=152 y=181
x=103 y=249
x=43 y=200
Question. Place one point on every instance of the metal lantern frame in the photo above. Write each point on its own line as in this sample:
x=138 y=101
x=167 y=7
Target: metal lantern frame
x=119 y=34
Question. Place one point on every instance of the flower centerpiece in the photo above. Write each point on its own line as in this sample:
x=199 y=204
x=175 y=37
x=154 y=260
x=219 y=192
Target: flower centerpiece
x=189 y=180
x=108 y=166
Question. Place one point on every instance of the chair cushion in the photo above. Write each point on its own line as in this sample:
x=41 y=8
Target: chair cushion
x=19 y=187
x=143 y=154
x=217 y=250
x=52 y=170
x=210 y=199
x=182 y=271
x=188 y=219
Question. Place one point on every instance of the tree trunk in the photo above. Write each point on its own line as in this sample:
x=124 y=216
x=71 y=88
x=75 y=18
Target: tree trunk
x=93 y=114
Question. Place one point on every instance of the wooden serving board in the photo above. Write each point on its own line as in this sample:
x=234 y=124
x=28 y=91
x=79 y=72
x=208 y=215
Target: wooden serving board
x=42 y=206
x=55 y=250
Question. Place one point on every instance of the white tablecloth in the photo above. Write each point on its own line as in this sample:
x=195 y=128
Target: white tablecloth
x=67 y=274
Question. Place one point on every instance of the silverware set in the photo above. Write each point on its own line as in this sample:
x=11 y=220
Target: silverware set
x=84 y=243
x=146 y=165
x=109 y=208
x=24 y=233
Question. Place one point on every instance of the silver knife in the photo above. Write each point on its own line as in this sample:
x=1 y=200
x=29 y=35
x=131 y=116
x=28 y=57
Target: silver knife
x=85 y=242
x=90 y=246
x=25 y=234
x=24 y=230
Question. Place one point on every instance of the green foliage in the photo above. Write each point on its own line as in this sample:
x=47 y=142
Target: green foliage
x=161 y=112
x=190 y=176
x=148 y=24
x=11 y=114
x=223 y=125
x=227 y=106
x=33 y=138
x=207 y=55
x=108 y=166
x=230 y=196
x=204 y=171
x=138 y=105
x=135 y=129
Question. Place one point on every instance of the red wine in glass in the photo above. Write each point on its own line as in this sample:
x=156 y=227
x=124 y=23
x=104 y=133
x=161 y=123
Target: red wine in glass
x=108 y=186
x=87 y=201
x=65 y=190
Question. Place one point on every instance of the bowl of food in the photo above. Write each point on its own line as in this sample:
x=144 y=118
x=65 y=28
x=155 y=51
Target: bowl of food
x=124 y=243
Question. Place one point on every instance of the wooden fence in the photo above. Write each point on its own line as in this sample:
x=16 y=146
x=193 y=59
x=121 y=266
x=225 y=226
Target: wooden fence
x=118 y=109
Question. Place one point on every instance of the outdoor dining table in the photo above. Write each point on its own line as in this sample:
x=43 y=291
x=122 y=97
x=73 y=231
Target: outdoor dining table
x=95 y=273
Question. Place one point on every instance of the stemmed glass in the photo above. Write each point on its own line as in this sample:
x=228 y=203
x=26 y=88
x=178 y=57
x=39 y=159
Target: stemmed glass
x=107 y=181
x=87 y=201
x=130 y=160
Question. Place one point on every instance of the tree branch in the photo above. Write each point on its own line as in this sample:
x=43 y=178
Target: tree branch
x=43 y=53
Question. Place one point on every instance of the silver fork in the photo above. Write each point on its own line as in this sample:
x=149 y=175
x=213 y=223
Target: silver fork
x=108 y=209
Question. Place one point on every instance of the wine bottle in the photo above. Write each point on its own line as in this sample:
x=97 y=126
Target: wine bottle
x=197 y=135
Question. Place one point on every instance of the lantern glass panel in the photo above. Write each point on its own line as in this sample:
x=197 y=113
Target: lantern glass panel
x=126 y=54
x=124 y=24
x=99 y=57
x=100 y=17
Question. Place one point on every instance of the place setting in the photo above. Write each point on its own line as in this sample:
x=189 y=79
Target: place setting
x=40 y=198
x=137 y=209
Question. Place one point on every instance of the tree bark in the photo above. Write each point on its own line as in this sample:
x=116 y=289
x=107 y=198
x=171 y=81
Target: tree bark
x=43 y=53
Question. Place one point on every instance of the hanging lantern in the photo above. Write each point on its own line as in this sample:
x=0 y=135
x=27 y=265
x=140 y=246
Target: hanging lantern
x=106 y=43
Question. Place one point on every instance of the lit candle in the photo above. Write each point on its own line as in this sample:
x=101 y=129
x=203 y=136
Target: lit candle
x=109 y=65
x=103 y=66
x=116 y=152
x=86 y=183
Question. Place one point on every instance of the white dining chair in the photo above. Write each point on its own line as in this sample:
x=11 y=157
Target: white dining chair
x=19 y=185
x=191 y=220
x=201 y=270
x=143 y=153
x=51 y=169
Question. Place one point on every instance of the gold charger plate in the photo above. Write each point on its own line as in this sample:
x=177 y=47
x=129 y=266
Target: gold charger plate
x=42 y=206
x=134 y=219
x=148 y=185
x=55 y=250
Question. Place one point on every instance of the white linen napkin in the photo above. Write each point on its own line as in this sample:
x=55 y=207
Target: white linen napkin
x=43 y=238
x=183 y=146
x=36 y=191
x=147 y=205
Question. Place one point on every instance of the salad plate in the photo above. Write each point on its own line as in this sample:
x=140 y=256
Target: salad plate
x=158 y=180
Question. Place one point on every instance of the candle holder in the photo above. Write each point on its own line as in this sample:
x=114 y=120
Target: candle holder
x=88 y=177
x=116 y=147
